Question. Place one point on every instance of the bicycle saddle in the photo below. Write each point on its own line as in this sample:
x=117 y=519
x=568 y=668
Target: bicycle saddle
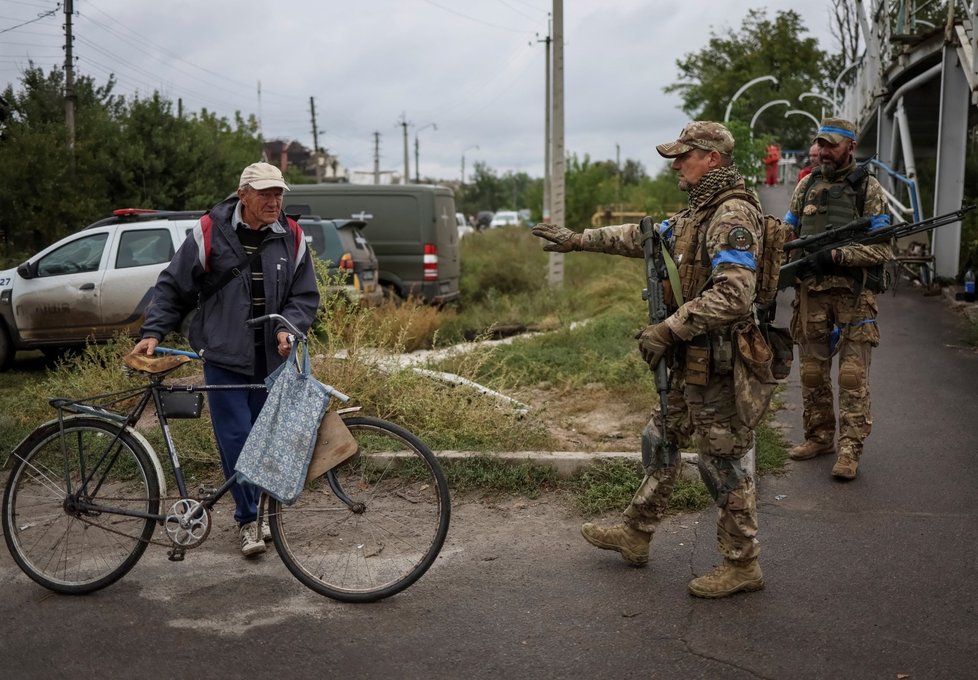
x=154 y=364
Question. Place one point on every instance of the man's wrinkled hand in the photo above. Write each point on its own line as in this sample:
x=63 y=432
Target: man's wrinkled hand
x=654 y=341
x=562 y=239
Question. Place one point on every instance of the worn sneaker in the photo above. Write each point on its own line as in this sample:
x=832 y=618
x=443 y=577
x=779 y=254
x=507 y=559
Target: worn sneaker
x=727 y=579
x=251 y=543
x=266 y=532
x=631 y=543
x=810 y=449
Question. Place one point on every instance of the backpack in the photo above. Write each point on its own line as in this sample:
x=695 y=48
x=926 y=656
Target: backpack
x=774 y=234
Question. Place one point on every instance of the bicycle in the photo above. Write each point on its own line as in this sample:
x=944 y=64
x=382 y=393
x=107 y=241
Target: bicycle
x=84 y=497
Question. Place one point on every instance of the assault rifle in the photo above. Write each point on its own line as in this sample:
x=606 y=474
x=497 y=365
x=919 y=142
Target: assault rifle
x=857 y=231
x=660 y=450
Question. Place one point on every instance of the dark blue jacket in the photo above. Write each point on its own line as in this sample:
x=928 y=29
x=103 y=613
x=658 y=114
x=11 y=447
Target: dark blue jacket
x=217 y=330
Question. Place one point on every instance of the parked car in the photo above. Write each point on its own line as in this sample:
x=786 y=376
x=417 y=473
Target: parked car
x=464 y=229
x=351 y=258
x=91 y=285
x=411 y=228
x=505 y=218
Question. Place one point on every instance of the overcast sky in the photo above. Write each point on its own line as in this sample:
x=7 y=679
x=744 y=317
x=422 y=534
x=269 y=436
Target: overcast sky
x=474 y=68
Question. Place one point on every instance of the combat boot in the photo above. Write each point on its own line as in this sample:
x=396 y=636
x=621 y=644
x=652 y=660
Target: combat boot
x=810 y=449
x=846 y=465
x=631 y=543
x=727 y=579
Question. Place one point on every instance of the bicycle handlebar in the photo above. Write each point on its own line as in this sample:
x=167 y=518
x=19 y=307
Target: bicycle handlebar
x=258 y=321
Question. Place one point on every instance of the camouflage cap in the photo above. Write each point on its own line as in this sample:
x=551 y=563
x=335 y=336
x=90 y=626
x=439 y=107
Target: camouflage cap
x=835 y=131
x=700 y=134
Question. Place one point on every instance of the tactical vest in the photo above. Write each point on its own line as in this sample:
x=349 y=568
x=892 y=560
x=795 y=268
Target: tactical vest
x=832 y=204
x=689 y=249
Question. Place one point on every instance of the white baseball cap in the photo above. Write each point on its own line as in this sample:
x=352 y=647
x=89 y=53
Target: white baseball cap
x=262 y=176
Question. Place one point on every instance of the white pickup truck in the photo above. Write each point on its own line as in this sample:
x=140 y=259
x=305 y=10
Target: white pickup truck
x=89 y=286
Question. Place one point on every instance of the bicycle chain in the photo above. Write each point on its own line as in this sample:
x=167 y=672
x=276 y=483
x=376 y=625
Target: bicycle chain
x=148 y=541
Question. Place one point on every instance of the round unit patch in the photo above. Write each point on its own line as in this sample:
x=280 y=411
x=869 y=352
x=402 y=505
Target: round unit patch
x=740 y=239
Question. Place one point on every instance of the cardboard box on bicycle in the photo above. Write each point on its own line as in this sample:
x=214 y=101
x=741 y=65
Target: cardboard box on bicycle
x=334 y=444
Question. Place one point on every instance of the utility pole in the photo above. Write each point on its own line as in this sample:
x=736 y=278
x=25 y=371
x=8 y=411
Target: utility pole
x=376 y=158
x=618 y=181
x=555 y=275
x=261 y=138
x=417 y=156
x=315 y=141
x=69 y=79
x=407 y=170
x=546 y=126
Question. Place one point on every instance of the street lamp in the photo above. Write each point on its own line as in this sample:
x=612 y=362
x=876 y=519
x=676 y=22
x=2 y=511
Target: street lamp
x=417 y=165
x=726 y=115
x=764 y=107
x=799 y=112
x=475 y=146
x=820 y=96
x=835 y=88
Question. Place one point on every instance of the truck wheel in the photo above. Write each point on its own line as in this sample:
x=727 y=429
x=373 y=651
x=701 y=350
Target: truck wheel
x=7 y=350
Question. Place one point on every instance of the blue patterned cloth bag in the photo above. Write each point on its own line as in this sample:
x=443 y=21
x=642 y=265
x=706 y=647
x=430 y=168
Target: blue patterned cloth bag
x=277 y=452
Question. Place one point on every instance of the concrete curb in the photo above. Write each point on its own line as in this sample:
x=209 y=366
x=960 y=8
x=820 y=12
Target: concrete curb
x=568 y=463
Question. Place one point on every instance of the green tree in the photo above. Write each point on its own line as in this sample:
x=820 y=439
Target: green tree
x=134 y=153
x=779 y=47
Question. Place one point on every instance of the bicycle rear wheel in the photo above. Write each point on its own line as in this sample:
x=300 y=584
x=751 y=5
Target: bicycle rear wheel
x=388 y=532
x=65 y=547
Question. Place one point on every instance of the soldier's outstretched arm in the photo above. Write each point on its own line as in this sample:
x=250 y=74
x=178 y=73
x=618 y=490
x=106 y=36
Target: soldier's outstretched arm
x=562 y=239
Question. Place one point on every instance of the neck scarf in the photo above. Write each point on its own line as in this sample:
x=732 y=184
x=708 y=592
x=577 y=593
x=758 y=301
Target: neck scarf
x=712 y=182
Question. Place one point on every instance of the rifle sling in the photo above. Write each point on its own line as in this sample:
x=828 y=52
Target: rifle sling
x=673 y=271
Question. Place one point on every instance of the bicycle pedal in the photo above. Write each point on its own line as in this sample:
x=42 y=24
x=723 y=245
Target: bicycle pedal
x=176 y=554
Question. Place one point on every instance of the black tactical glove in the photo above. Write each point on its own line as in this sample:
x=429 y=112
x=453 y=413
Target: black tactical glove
x=823 y=263
x=654 y=341
x=562 y=239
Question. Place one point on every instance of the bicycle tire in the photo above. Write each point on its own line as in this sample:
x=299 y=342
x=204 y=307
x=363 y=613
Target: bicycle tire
x=389 y=539
x=73 y=551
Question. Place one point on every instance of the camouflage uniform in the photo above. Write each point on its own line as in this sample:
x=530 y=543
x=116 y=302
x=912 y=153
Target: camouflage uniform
x=836 y=312
x=719 y=234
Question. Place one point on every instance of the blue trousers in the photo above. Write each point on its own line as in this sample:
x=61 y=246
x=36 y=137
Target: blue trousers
x=233 y=412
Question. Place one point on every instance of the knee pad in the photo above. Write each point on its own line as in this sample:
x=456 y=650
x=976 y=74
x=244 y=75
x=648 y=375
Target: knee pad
x=720 y=476
x=850 y=376
x=811 y=375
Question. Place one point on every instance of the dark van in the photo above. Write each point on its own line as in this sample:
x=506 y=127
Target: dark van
x=412 y=231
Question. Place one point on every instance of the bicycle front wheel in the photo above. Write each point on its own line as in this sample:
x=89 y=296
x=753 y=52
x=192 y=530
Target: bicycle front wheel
x=381 y=526
x=61 y=507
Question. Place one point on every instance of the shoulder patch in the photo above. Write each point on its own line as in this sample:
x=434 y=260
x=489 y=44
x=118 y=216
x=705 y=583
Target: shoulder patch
x=740 y=239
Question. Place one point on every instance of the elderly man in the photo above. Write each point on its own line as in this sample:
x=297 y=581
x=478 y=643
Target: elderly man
x=243 y=259
x=716 y=242
x=835 y=300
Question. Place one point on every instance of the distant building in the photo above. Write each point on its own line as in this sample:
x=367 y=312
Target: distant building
x=294 y=155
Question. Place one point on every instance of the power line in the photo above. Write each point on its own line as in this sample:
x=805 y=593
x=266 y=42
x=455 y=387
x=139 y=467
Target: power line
x=478 y=21
x=39 y=17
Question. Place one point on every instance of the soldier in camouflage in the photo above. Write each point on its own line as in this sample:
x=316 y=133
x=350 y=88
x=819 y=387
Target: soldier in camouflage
x=835 y=301
x=716 y=242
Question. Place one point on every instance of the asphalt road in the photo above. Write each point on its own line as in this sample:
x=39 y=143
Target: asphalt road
x=873 y=578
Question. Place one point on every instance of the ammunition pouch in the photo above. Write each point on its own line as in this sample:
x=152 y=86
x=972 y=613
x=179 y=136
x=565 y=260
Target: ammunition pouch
x=720 y=476
x=697 y=359
x=722 y=350
x=876 y=278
